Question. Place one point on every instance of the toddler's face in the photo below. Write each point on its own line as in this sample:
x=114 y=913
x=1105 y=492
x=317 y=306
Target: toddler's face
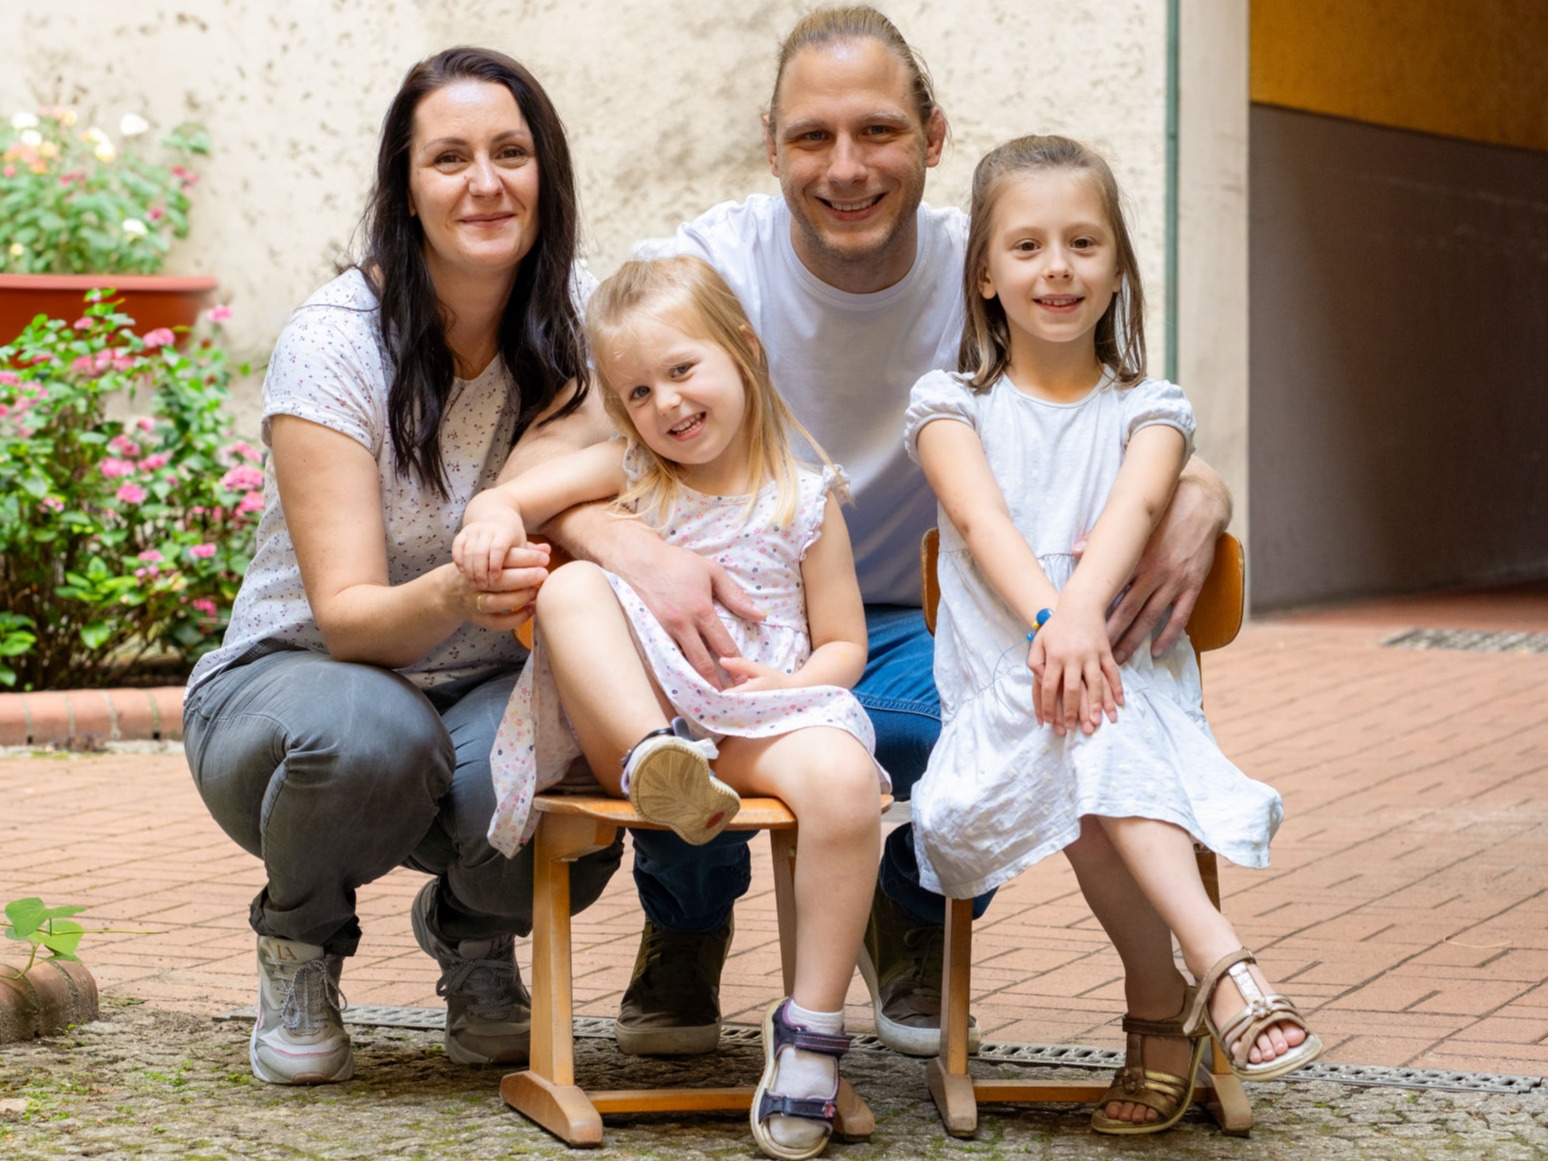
x=687 y=401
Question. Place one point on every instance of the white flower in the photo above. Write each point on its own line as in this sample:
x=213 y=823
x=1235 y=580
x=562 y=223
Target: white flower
x=132 y=125
x=67 y=117
x=17 y=249
x=134 y=226
x=97 y=135
x=105 y=151
x=23 y=121
x=31 y=137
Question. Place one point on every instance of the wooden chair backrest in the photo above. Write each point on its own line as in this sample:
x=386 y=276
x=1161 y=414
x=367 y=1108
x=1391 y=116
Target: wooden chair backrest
x=1217 y=616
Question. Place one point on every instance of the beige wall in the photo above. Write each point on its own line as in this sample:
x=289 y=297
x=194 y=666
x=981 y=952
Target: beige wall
x=662 y=99
x=1212 y=236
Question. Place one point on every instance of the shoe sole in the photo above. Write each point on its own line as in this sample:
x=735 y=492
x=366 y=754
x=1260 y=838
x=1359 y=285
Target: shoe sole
x=1298 y=1057
x=683 y=1041
x=263 y=1074
x=674 y=787
x=905 y=1038
x=456 y=1052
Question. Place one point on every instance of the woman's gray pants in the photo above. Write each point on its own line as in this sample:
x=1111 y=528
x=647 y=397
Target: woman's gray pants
x=334 y=773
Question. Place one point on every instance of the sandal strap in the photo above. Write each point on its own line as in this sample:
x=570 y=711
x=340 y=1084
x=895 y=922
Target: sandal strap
x=1171 y=1026
x=1196 y=1022
x=823 y=1109
x=1261 y=1012
x=1160 y=1091
x=806 y=1039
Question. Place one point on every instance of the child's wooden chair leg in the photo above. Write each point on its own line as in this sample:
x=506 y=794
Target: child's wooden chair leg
x=1223 y=1095
x=950 y=1085
x=546 y=1090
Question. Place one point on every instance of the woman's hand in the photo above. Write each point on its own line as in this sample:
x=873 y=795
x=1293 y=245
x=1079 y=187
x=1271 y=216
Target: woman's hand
x=1076 y=678
x=505 y=600
x=482 y=547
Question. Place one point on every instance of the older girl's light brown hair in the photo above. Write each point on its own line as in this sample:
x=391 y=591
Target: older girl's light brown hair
x=1120 y=333
x=687 y=293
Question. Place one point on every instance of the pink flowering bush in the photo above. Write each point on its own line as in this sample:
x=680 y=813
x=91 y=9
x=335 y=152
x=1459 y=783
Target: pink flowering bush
x=127 y=513
x=79 y=200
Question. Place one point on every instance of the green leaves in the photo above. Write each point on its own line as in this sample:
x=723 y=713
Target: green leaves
x=108 y=518
x=44 y=927
x=79 y=202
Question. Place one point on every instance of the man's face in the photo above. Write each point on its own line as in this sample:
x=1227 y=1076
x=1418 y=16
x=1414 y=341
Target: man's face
x=850 y=155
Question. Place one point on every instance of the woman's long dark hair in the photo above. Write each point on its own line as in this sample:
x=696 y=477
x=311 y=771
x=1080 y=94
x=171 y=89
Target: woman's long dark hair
x=540 y=337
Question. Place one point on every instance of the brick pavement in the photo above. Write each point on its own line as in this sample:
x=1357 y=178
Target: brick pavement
x=1406 y=908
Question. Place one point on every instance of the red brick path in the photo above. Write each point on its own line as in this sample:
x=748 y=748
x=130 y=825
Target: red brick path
x=1406 y=908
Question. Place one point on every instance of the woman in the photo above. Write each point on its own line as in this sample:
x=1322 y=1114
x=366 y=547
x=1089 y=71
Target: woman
x=344 y=726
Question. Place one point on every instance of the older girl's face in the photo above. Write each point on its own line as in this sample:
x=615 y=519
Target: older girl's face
x=473 y=181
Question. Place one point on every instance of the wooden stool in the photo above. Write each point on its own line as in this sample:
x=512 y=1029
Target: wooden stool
x=1216 y=619
x=570 y=826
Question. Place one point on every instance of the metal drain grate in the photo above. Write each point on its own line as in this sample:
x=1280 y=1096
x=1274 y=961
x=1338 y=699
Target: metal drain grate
x=1005 y=1052
x=1472 y=640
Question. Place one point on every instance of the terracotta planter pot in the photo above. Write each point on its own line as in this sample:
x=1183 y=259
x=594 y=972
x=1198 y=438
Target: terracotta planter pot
x=152 y=300
x=48 y=999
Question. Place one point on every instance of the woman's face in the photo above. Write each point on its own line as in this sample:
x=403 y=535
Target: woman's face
x=473 y=181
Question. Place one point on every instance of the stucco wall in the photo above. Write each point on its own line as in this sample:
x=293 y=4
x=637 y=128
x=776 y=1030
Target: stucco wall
x=662 y=99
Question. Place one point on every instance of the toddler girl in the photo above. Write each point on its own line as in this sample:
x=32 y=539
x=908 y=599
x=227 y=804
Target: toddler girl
x=706 y=460
x=1055 y=435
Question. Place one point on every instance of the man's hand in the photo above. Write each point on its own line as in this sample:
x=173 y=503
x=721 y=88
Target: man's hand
x=681 y=588
x=1173 y=567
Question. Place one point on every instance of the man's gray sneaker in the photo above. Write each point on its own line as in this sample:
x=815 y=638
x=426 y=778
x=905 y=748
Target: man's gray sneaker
x=672 y=1005
x=902 y=961
x=299 y=1037
x=488 y=1010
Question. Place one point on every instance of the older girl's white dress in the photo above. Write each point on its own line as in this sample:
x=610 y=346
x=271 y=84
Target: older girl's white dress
x=535 y=748
x=1000 y=792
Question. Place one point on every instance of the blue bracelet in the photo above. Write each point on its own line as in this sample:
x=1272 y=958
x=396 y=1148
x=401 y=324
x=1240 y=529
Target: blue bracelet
x=1038 y=622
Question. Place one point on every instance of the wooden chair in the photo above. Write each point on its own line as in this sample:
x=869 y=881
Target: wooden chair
x=570 y=826
x=1216 y=620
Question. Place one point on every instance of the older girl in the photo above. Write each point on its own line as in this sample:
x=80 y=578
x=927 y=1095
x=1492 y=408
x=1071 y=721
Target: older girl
x=1051 y=434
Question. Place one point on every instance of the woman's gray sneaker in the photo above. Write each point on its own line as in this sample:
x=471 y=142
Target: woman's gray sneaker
x=299 y=1037
x=488 y=1010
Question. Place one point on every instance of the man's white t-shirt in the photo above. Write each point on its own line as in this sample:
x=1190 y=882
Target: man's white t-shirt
x=846 y=362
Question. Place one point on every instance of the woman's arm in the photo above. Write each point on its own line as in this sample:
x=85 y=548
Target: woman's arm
x=330 y=489
x=835 y=616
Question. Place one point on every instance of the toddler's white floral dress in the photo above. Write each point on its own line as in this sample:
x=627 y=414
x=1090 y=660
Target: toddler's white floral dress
x=535 y=748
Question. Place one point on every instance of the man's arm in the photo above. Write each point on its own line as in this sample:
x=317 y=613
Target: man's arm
x=678 y=586
x=1174 y=565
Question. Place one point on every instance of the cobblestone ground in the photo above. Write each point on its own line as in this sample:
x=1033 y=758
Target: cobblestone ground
x=146 y=1083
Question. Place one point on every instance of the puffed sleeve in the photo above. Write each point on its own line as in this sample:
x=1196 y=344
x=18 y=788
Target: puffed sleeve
x=327 y=368
x=937 y=395
x=1158 y=401
x=814 y=502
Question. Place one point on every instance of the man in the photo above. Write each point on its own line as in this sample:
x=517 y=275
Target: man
x=854 y=287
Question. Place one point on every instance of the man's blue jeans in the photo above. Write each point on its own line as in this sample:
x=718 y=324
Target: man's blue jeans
x=688 y=888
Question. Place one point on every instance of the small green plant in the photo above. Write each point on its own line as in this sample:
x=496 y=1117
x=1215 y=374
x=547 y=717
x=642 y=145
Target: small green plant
x=122 y=535
x=74 y=201
x=43 y=927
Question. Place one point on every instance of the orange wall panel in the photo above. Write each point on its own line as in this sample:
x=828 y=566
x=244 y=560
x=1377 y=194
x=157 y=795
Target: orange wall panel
x=1475 y=69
